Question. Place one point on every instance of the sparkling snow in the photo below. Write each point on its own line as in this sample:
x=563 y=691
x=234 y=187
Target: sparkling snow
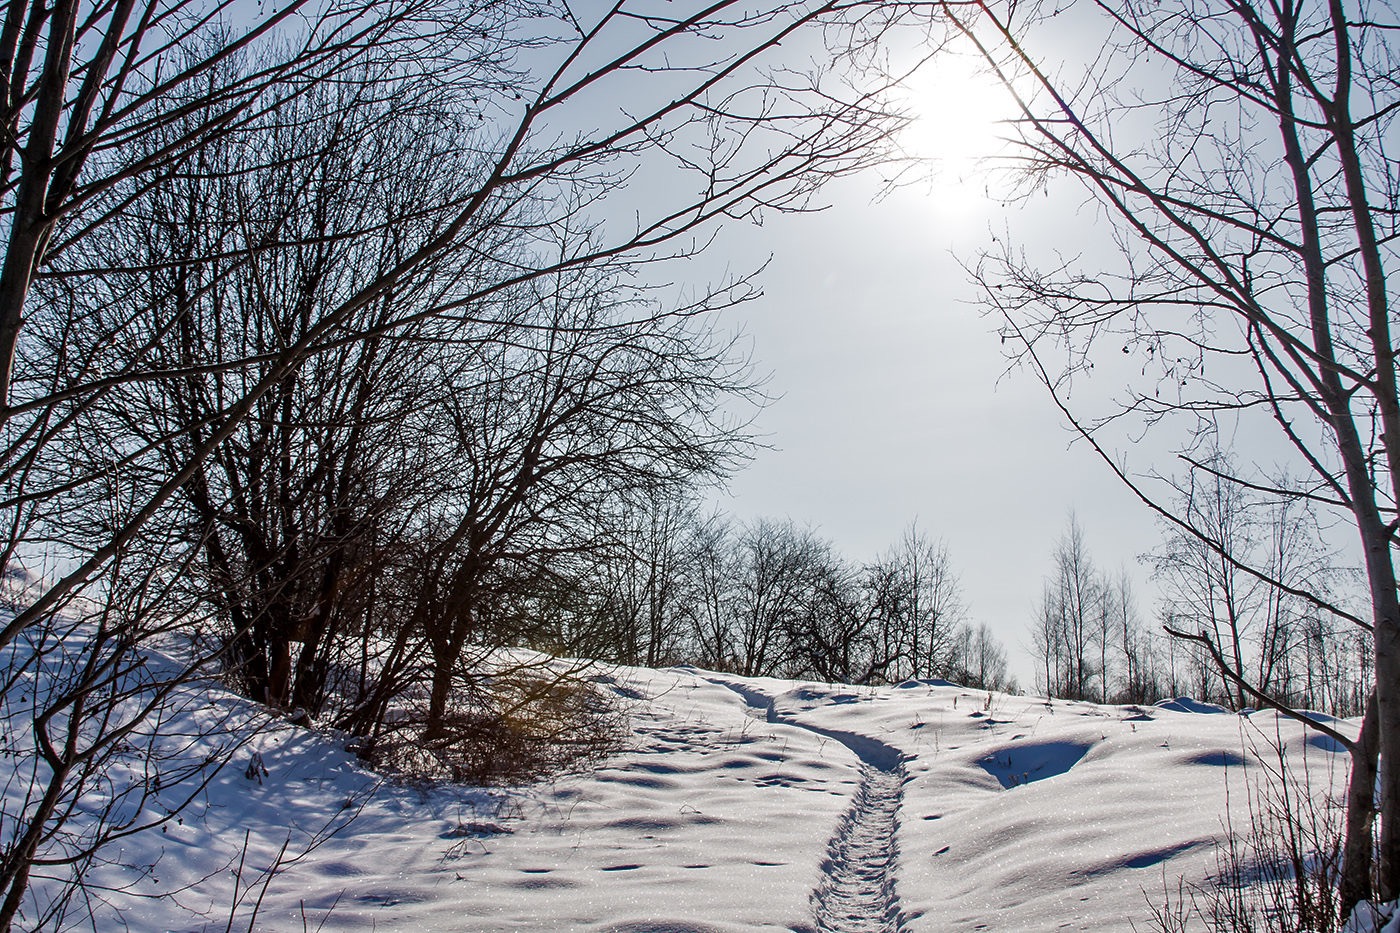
x=739 y=804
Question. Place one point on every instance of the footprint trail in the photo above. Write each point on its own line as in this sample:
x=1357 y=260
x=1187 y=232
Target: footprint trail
x=857 y=893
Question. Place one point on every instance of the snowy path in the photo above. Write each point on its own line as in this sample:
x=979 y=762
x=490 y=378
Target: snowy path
x=739 y=805
x=857 y=891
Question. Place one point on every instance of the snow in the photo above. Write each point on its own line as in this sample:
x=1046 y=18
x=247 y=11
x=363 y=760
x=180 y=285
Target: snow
x=739 y=804
x=1373 y=918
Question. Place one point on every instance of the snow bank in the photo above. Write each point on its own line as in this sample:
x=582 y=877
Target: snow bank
x=740 y=804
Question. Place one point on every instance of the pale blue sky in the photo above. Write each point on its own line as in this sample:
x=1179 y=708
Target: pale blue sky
x=896 y=404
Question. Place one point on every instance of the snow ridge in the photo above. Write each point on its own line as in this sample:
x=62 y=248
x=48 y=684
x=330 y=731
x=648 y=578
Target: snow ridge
x=857 y=891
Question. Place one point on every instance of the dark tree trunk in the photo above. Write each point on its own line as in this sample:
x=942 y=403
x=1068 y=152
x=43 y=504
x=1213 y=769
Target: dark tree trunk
x=439 y=693
x=1354 y=885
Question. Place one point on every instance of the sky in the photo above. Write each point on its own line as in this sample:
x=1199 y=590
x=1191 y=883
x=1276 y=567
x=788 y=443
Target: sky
x=893 y=398
x=894 y=402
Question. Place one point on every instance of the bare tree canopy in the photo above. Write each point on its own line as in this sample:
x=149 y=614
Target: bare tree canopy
x=1237 y=153
x=254 y=255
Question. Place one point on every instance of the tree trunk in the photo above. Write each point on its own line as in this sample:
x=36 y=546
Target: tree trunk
x=441 y=690
x=1388 y=745
x=15 y=873
x=1380 y=575
x=279 y=680
x=308 y=691
x=446 y=650
x=1354 y=885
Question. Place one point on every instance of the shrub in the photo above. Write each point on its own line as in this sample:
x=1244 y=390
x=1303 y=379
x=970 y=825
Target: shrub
x=505 y=728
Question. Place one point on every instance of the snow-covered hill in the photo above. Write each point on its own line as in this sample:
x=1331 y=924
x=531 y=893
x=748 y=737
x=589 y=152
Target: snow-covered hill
x=742 y=804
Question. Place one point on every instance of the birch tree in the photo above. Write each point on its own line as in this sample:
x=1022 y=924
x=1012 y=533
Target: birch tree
x=1238 y=153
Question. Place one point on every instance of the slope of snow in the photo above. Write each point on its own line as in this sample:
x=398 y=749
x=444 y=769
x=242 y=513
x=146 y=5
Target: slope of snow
x=740 y=804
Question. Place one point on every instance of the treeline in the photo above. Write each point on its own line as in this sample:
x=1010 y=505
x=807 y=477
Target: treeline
x=773 y=598
x=1229 y=580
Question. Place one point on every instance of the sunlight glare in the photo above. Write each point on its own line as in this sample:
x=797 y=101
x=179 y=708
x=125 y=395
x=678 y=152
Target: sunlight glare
x=957 y=131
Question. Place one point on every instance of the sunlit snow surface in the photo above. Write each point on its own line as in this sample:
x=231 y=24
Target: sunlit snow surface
x=744 y=804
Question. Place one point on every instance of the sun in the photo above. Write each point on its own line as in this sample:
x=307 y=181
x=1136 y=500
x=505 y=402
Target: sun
x=957 y=133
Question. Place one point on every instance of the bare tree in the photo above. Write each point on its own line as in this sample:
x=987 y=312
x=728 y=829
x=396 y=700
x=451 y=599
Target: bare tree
x=636 y=586
x=590 y=404
x=711 y=593
x=1141 y=682
x=918 y=598
x=291 y=509
x=831 y=636
x=978 y=660
x=777 y=566
x=121 y=115
x=1238 y=150
x=1070 y=619
x=1208 y=589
